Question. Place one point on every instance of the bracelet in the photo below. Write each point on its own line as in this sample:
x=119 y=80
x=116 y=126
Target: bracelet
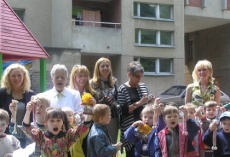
x=134 y=105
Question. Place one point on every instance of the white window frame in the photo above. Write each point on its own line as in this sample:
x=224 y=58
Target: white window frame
x=157 y=66
x=158 y=39
x=157 y=12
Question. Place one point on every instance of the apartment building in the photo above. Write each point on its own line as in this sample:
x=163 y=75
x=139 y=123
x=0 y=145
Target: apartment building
x=166 y=36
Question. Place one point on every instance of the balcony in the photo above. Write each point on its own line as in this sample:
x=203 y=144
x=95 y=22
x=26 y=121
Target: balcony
x=96 y=37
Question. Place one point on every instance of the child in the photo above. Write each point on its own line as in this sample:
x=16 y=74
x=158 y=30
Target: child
x=76 y=148
x=141 y=141
x=57 y=139
x=99 y=140
x=8 y=143
x=173 y=139
x=222 y=137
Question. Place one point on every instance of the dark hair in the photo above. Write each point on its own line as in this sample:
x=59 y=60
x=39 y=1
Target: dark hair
x=225 y=118
x=135 y=67
x=170 y=109
x=209 y=104
x=52 y=112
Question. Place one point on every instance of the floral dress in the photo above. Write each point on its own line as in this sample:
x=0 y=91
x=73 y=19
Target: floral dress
x=57 y=145
x=198 y=98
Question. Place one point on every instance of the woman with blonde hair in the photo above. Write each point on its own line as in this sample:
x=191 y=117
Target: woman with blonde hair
x=203 y=88
x=106 y=86
x=15 y=85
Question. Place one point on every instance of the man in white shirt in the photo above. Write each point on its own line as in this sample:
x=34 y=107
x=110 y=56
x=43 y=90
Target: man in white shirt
x=61 y=96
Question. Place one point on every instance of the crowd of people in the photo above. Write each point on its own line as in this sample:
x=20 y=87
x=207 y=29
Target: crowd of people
x=60 y=124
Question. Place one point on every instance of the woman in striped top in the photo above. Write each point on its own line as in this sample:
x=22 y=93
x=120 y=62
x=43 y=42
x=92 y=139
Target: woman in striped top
x=132 y=96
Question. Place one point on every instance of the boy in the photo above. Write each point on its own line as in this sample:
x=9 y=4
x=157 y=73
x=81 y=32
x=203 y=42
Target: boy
x=222 y=137
x=171 y=141
x=99 y=140
x=8 y=143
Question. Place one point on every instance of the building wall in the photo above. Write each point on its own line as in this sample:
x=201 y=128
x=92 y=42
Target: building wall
x=156 y=84
x=213 y=44
x=38 y=18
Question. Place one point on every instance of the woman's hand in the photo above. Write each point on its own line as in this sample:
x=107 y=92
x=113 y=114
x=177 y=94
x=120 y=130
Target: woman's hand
x=12 y=108
x=93 y=101
x=144 y=100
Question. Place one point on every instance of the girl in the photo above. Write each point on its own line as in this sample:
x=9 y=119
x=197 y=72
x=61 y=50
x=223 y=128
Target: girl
x=56 y=140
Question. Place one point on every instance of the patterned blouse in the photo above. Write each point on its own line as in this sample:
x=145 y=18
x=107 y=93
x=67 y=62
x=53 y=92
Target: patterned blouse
x=57 y=145
x=198 y=98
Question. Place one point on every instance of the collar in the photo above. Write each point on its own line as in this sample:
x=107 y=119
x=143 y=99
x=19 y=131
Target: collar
x=63 y=92
x=167 y=131
x=59 y=135
x=3 y=135
x=40 y=125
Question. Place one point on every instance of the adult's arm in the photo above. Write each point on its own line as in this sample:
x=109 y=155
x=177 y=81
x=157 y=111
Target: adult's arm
x=217 y=96
x=188 y=94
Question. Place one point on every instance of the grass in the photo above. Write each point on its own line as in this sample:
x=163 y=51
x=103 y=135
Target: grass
x=118 y=140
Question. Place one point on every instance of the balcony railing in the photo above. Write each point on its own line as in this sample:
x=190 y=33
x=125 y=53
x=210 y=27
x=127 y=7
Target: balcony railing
x=96 y=24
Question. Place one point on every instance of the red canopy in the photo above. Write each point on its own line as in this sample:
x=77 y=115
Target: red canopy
x=16 y=41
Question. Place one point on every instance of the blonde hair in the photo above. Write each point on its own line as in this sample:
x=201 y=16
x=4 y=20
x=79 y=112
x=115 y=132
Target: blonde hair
x=42 y=98
x=96 y=74
x=99 y=111
x=170 y=109
x=4 y=116
x=147 y=109
x=80 y=69
x=202 y=64
x=190 y=106
x=5 y=83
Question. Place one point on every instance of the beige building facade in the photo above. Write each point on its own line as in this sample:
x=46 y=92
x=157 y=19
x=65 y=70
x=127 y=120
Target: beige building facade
x=167 y=36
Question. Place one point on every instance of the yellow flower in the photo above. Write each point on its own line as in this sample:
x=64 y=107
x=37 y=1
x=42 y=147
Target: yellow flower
x=86 y=97
x=144 y=129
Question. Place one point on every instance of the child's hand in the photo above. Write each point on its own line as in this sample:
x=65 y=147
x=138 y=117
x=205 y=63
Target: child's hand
x=199 y=111
x=213 y=125
x=184 y=110
x=118 y=146
x=157 y=101
x=30 y=105
x=12 y=108
x=137 y=123
x=9 y=155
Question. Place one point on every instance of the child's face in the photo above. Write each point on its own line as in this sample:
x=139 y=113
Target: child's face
x=40 y=112
x=70 y=117
x=105 y=119
x=3 y=126
x=147 y=118
x=54 y=125
x=211 y=112
x=171 y=120
x=191 y=113
x=59 y=80
x=225 y=124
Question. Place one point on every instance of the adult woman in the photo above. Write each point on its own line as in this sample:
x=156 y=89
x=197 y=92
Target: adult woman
x=132 y=96
x=15 y=85
x=106 y=86
x=203 y=89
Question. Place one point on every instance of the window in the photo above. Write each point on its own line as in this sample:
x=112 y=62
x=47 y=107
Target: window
x=156 y=66
x=20 y=13
x=154 y=38
x=153 y=11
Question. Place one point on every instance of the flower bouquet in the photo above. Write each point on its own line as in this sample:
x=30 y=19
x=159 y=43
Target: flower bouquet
x=88 y=105
x=144 y=129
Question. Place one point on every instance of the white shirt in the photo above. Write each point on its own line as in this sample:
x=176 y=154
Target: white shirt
x=8 y=144
x=67 y=98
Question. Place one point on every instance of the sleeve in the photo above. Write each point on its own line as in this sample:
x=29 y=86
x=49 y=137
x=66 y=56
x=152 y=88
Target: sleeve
x=161 y=123
x=207 y=138
x=130 y=135
x=77 y=103
x=157 y=147
x=121 y=99
x=100 y=147
x=192 y=128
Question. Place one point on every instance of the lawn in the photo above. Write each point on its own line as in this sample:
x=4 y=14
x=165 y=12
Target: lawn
x=118 y=140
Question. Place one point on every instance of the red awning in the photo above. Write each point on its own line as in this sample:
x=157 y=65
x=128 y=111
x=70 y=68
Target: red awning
x=16 y=41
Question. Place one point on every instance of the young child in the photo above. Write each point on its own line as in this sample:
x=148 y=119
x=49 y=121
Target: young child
x=222 y=137
x=133 y=133
x=76 y=148
x=57 y=139
x=99 y=140
x=175 y=139
x=8 y=143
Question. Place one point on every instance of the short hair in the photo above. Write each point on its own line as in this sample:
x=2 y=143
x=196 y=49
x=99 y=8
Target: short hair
x=96 y=73
x=58 y=67
x=209 y=104
x=135 y=67
x=4 y=116
x=99 y=110
x=170 y=109
x=147 y=109
x=52 y=112
x=5 y=83
x=81 y=69
x=202 y=64
x=190 y=106
x=42 y=98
